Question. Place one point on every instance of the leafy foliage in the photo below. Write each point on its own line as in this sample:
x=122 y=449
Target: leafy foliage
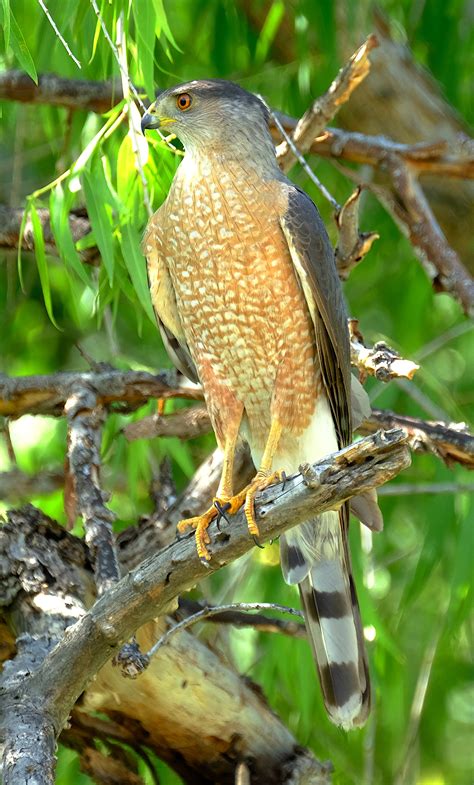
x=414 y=579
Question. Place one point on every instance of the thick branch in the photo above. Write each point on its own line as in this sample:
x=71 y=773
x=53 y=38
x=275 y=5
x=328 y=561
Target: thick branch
x=147 y=592
x=56 y=91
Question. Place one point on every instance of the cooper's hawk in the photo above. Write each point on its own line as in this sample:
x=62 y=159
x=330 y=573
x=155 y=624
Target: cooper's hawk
x=249 y=303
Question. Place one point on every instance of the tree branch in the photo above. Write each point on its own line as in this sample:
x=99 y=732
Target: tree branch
x=324 y=108
x=380 y=361
x=47 y=695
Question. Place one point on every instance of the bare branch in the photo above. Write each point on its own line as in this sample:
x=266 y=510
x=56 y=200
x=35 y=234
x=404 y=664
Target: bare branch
x=85 y=419
x=352 y=245
x=58 y=33
x=238 y=618
x=48 y=394
x=48 y=694
x=414 y=216
x=58 y=91
x=324 y=108
x=452 y=443
x=380 y=361
x=16 y=485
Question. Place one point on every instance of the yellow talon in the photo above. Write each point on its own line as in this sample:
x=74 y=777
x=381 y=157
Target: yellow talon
x=260 y=482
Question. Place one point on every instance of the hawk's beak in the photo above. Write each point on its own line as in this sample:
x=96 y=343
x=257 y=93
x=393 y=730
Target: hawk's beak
x=149 y=121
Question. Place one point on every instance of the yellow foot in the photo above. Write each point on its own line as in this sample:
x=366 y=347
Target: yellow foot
x=220 y=507
x=259 y=483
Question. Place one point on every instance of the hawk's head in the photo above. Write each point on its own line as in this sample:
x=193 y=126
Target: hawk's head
x=209 y=112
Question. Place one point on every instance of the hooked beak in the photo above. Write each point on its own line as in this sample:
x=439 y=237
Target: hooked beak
x=149 y=121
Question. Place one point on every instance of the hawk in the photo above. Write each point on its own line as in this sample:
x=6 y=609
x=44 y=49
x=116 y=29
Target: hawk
x=245 y=289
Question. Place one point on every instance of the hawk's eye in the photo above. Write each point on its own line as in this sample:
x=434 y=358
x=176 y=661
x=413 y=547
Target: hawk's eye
x=184 y=101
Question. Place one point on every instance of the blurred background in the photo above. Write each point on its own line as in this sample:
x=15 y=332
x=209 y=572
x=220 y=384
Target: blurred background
x=414 y=579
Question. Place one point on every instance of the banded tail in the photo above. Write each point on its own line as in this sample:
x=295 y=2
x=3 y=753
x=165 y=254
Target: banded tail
x=315 y=556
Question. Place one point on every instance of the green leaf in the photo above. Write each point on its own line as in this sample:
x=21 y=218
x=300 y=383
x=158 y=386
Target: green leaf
x=20 y=49
x=59 y=214
x=145 y=20
x=269 y=30
x=6 y=22
x=162 y=23
x=24 y=219
x=100 y=215
x=136 y=266
x=40 y=255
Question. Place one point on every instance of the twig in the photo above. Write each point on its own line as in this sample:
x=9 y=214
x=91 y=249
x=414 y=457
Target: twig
x=117 y=56
x=207 y=613
x=133 y=114
x=86 y=418
x=380 y=361
x=58 y=34
x=48 y=694
x=411 y=488
x=352 y=245
x=324 y=108
x=299 y=157
x=236 y=618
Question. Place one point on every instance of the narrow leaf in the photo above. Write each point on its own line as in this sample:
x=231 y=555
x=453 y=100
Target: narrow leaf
x=6 y=23
x=59 y=214
x=21 y=50
x=97 y=197
x=136 y=266
x=40 y=255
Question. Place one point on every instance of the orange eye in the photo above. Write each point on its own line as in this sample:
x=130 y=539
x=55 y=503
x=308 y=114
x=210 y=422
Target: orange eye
x=184 y=101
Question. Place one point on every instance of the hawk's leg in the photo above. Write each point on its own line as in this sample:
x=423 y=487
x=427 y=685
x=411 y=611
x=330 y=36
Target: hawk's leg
x=264 y=477
x=223 y=502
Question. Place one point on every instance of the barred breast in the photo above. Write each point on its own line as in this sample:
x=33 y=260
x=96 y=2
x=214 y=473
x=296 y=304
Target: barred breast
x=242 y=310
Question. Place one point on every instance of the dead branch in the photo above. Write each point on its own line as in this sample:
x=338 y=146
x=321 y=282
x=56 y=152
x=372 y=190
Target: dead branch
x=48 y=394
x=415 y=218
x=16 y=485
x=45 y=696
x=324 y=108
x=380 y=361
x=85 y=420
x=352 y=245
x=452 y=443
x=238 y=618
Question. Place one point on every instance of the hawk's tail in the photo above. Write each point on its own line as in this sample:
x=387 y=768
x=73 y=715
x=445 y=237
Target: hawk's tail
x=315 y=555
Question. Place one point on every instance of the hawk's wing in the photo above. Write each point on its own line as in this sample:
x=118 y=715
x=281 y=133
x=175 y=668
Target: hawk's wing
x=164 y=303
x=313 y=258
x=319 y=547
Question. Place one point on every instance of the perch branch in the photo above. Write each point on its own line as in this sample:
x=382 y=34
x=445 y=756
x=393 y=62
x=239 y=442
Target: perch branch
x=185 y=424
x=48 y=694
x=324 y=108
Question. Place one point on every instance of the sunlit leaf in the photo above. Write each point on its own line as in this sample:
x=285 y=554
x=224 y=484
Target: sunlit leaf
x=145 y=19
